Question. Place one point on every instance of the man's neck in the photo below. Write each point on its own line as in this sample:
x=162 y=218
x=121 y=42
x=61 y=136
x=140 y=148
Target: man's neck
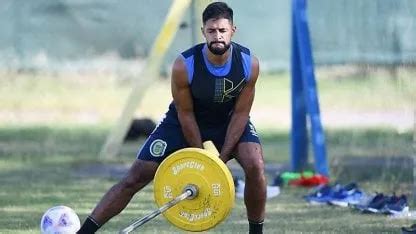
x=218 y=60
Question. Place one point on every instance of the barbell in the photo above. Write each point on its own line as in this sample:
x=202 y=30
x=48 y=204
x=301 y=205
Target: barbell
x=193 y=189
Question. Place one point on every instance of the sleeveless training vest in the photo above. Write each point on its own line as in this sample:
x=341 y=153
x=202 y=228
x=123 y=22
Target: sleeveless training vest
x=214 y=96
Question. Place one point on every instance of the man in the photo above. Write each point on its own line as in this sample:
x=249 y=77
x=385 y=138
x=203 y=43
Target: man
x=213 y=87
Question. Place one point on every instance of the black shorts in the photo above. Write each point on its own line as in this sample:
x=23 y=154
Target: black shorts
x=168 y=138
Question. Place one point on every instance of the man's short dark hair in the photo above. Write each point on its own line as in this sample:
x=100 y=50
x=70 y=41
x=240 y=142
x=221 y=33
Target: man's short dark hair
x=217 y=10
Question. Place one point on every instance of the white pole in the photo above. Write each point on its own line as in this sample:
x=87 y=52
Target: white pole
x=414 y=154
x=147 y=76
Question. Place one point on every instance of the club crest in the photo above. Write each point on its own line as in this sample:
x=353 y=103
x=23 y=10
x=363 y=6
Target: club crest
x=158 y=147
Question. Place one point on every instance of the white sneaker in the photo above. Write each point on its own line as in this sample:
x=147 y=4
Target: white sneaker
x=272 y=191
x=239 y=188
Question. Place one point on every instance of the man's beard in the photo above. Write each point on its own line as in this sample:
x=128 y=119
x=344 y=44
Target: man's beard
x=216 y=50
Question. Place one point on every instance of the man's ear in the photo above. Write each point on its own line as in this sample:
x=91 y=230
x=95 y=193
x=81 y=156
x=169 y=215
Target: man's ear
x=234 y=29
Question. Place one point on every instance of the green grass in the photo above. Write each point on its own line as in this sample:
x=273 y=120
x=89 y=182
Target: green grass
x=40 y=167
x=52 y=127
x=43 y=98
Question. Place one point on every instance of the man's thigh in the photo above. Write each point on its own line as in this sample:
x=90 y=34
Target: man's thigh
x=217 y=135
x=250 y=156
x=249 y=134
x=248 y=149
x=166 y=139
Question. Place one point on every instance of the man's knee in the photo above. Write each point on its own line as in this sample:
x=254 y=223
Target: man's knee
x=255 y=168
x=132 y=184
x=251 y=158
x=139 y=175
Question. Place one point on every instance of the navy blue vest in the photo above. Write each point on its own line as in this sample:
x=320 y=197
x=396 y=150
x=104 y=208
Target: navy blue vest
x=214 y=96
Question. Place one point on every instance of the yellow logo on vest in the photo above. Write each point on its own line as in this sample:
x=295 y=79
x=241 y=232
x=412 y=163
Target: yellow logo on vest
x=225 y=90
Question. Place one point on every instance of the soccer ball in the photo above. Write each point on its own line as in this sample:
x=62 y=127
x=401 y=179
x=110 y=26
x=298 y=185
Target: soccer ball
x=59 y=220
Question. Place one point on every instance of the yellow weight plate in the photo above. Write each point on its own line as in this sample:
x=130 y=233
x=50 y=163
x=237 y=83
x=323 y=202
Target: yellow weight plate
x=211 y=176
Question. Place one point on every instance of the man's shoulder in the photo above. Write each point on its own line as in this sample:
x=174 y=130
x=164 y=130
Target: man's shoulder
x=191 y=51
x=241 y=48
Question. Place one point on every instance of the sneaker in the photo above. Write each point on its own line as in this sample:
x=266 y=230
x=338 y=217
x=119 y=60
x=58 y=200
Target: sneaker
x=239 y=187
x=409 y=230
x=272 y=191
x=321 y=195
x=376 y=206
x=364 y=203
x=347 y=195
x=396 y=206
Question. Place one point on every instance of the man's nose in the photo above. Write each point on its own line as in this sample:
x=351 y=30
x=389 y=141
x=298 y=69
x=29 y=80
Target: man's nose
x=217 y=35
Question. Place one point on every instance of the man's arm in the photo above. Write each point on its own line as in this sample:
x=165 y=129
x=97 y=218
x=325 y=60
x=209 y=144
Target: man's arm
x=241 y=112
x=182 y=98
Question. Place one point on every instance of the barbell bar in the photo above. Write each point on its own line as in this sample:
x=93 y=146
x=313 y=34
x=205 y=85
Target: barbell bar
x=193 y=189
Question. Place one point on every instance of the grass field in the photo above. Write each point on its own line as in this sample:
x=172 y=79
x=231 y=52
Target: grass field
x=51 y=127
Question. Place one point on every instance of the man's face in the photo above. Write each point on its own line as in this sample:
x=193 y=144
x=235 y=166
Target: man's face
x=218 y=34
